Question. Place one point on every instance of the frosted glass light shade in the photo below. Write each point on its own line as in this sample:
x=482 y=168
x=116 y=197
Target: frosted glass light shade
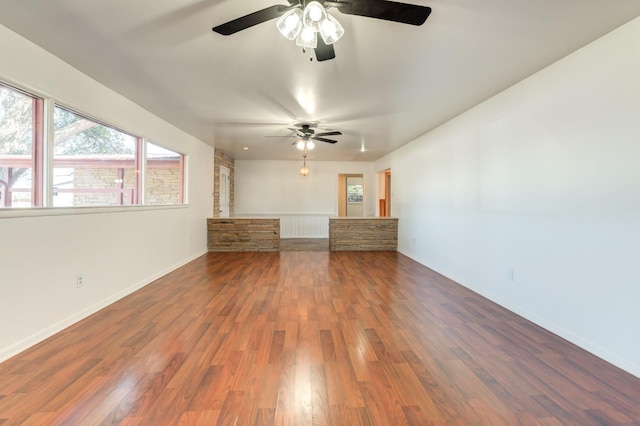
x=308 y=144
x=331 y=30
x=290 y=23
x=314 y=13
x=304 y=170
x=307 y=38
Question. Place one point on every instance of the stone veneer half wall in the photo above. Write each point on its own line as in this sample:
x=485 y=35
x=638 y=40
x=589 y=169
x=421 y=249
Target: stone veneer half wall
x=363 y=234
x=229 y=234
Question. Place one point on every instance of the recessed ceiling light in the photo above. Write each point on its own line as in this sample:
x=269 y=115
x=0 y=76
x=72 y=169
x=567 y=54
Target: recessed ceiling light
x=246 y=148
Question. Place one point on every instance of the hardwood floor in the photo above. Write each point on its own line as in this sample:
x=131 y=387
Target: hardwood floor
x=310 y=338
x=304 y=244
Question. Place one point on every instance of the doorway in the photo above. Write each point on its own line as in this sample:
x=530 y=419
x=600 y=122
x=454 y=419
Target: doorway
x=384 y=193
x=351 y=195
x=225 y=187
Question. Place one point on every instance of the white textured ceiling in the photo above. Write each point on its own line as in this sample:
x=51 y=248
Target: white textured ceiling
x=388 y=84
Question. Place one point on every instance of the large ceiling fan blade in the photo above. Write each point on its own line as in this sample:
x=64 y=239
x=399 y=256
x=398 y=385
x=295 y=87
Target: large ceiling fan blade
x=334 y=133
x=324 y=51
x=315 y=138
x=251 y=19
x=404 y=13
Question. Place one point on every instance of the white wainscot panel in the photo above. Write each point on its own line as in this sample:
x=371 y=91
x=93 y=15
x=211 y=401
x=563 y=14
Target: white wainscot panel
x=304 y=226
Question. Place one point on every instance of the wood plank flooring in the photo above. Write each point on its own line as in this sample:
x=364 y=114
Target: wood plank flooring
x=310 y=338
x=304 y=244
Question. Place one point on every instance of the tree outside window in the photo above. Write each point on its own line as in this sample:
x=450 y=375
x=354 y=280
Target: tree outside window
x=17 y=136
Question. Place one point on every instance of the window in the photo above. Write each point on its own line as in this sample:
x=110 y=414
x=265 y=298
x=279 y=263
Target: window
x=20 y=146
x=91 y=163
x=164 y=176
x=355 y=193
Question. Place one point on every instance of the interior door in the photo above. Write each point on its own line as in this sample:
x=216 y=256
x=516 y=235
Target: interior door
x=225 y=187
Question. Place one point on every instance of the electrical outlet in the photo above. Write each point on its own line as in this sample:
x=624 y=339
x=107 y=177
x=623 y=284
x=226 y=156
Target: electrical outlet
x=510 y=274
x=79 y=280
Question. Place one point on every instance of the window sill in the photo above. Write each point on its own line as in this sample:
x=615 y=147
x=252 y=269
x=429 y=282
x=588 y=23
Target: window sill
x=9 y=213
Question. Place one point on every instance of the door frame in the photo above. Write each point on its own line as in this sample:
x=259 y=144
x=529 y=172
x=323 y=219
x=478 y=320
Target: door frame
x=224 y=198
x=342 y=192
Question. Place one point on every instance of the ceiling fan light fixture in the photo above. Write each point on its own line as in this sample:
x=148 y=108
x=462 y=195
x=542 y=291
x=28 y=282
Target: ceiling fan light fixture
x=303 y=26
x=331 y=30
x=301 y=20
x=305 y=144
x=290 y=24
x=313 y=15
x=307 y=38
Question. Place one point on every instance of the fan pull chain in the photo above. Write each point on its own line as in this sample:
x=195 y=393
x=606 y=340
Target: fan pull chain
x=304 y=51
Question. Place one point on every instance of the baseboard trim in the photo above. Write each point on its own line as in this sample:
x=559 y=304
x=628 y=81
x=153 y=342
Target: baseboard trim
x=627 y=365
x=44 y=334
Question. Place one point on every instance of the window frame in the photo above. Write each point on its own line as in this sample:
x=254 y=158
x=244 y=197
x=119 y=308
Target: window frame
x=135 y=198
x=181 y=176
x=37 y=143
x=42 y=163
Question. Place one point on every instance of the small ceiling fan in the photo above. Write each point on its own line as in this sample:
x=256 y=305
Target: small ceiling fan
x=305 y=131
x=300 y=21
x=305 y=134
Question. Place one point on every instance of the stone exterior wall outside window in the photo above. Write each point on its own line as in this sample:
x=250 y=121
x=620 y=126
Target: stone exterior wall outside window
x=163 y=186
x=100 y=179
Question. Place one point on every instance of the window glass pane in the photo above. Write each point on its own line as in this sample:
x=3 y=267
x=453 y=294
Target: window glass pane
x=16 y=148
x=163 y=184
x=93 y=164
x=355 y=193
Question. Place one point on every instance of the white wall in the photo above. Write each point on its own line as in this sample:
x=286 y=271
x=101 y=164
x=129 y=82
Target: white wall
x=275 y=188
x=117 y=250
x=543 y=180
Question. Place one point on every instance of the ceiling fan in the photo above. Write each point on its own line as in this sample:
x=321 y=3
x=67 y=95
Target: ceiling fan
x=306 y=135
x=296 y=19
